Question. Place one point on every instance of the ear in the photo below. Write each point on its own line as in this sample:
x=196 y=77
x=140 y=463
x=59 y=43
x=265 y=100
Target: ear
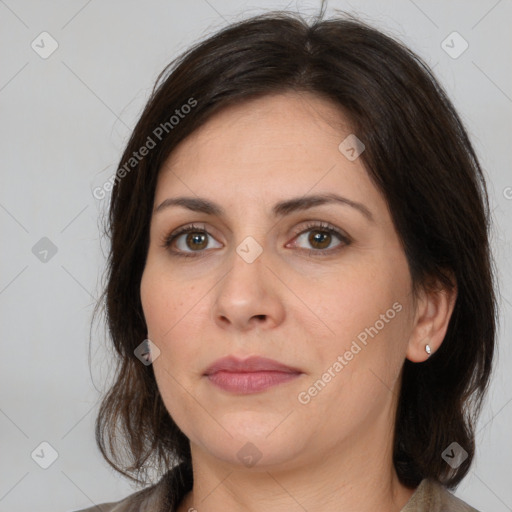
x=434 y=309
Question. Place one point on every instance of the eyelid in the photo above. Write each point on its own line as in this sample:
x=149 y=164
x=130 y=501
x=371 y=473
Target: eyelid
x=322 y=226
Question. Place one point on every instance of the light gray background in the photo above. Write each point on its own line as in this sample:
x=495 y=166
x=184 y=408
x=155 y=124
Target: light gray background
x=64 y=122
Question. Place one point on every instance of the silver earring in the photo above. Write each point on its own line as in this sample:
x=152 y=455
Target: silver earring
x=428 y=350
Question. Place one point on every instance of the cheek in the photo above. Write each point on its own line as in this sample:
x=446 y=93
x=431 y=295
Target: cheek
x=170 y=310
x=356 y=368
x=178 y=401
x=367 y=316
x=164 y=303
x=354 y=299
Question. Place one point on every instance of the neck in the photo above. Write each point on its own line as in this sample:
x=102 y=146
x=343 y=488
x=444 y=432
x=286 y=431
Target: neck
x=356 y=476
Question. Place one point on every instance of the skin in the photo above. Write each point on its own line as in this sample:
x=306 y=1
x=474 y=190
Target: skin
x=335 y=452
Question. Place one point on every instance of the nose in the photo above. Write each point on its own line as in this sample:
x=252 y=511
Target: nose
x=249 y=296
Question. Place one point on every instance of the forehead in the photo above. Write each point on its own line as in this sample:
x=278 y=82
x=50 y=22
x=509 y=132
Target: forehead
x=267 y=149
x=255 y=134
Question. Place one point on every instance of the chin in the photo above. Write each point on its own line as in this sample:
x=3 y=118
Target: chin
x=254 y=446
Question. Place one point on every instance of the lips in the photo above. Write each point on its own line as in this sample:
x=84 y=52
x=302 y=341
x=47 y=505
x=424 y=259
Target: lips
x=251 y=364
x=251 y=375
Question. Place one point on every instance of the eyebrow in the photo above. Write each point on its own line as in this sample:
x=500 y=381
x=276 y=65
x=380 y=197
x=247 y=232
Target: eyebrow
x=198 y=204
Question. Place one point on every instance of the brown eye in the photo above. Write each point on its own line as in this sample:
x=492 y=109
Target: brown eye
x=196 y=240
x=320 y=238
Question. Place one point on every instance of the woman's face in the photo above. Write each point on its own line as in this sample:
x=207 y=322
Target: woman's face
x=261 y=280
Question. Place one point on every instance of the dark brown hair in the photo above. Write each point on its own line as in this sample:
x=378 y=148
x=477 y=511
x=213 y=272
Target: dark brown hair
x=418 y=155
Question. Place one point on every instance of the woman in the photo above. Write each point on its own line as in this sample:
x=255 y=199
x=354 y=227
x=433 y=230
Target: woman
x=300 y=288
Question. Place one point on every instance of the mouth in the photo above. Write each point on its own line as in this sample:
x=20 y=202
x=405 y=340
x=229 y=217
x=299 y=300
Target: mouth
x=251 y=375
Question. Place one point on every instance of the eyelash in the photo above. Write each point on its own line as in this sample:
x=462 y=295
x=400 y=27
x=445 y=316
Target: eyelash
x=319 y=226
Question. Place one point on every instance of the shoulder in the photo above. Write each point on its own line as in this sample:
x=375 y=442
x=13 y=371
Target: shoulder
x=146 y=499
x=162 y=496
x=431 y=496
